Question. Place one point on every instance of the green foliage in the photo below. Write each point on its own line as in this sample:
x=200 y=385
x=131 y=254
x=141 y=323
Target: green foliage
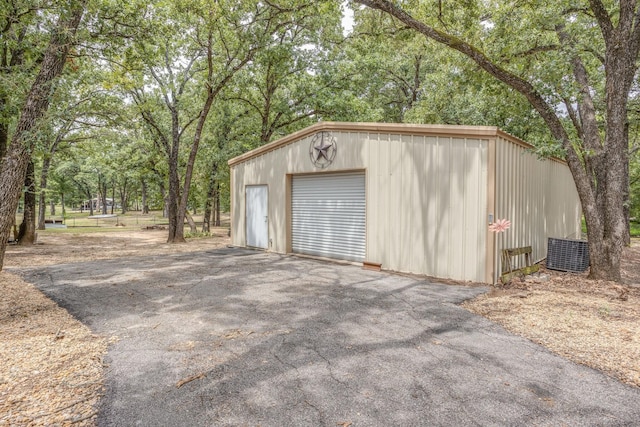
x=407 y=78
x=196 y=235
x=142 y=61
x=634 y=188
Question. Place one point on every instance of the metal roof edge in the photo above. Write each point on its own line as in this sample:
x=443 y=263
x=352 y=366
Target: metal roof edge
x=391 y=128
x=525 y=144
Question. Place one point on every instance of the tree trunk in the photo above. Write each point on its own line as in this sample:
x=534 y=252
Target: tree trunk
x=113 y=196
x=627 y=205
x=27 y=230
x=206 y=222
x=216 y=199
x=42 y=207
x=62 y=203
x=4 y=138
x=13 y=166
x=176 y=213
x=176 y=231
x=191 y=222
x=52 y=207
x=206 y=217
x=102 y=194
x=122 y=190
x=145 y=203
x=165 y=201
x=87 y=192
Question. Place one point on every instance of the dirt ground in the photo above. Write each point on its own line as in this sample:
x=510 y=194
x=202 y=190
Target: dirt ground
x=61 y=248
x=594 y=323
x=52 y=364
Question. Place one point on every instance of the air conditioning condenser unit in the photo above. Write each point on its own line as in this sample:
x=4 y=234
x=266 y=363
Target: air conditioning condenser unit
x=567 y=255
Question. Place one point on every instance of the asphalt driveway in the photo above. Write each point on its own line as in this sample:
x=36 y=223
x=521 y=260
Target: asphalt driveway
x=235 y=337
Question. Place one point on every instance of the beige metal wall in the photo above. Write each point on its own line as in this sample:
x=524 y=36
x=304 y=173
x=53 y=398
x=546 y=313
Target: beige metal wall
x=426 y=190
x=539 y=197
x=426 y=200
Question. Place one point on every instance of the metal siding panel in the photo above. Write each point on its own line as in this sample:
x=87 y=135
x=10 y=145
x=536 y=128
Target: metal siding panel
x=407 y=243
x=484 y=270
x=443 y=224
x=237 y=208
x=503 y=164
x=535 y=197
x=431 y=198
x=382 y=228
x=373 y=197
x=456 y=212
x=473 y=211
x=328 y=215
x=277 y=204
x=418 y=207
x=394 y=206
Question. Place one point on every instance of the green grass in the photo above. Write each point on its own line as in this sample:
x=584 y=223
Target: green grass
x=78 y=222
x=132 y=219
x=80 y=230
x=634 y=228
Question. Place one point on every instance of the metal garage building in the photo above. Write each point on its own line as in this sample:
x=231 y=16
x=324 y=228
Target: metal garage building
x=410 y=198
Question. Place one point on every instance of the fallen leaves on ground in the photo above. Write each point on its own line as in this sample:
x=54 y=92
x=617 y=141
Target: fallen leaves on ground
x=51 y=370
x=591 y=322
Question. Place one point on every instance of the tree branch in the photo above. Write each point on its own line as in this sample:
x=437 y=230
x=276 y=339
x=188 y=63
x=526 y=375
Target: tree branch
x=586 y=107
x=573 y=116
x=602 y=16
x=582 y=179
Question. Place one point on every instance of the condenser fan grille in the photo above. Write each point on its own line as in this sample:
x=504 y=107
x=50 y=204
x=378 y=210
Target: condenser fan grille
x=567 y=255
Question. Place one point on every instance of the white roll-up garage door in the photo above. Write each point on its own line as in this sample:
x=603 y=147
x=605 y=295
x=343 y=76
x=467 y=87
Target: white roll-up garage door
x=328 y=215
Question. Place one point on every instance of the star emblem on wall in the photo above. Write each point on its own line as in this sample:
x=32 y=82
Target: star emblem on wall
x=322 y=149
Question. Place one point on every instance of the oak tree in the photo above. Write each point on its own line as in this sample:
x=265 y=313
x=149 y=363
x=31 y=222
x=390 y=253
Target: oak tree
x=575 y=63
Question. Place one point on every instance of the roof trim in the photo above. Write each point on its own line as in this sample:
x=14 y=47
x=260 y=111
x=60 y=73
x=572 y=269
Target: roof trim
x=391 y=128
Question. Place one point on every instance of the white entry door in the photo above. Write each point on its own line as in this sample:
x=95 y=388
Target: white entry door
x=257 y=219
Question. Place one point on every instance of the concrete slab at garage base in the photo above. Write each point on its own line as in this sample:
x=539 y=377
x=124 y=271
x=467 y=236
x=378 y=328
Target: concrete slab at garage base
x=275 y=340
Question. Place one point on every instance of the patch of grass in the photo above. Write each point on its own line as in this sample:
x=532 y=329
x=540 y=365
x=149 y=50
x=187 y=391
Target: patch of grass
x=634 y=228
x=83 y=229
x=197 y=234
x=79 y=222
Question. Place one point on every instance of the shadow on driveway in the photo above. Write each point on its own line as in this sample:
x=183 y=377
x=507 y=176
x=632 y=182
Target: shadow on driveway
x=254 y=338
